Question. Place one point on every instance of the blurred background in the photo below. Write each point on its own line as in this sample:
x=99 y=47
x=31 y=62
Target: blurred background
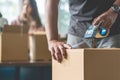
x=10 y=9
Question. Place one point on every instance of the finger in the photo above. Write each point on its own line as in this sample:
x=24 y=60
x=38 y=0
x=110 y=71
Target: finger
x=104 y=24
x=67 y=46
x=63 y=51
x=97 y=20
x=58 y=54
x=107 y=24
x=53 y=53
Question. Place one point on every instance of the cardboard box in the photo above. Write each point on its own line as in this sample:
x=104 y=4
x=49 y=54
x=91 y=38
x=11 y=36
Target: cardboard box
x=88 y=64
x=39 y=47
x=14 y=44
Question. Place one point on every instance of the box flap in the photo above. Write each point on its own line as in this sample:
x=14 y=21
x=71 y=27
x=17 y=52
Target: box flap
x=15 y=29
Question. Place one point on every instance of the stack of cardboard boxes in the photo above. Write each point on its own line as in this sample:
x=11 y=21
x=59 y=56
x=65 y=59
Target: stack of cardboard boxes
x=16 y=45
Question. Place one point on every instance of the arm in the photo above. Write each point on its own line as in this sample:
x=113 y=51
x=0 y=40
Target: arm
x=117 y=2
x=56 y=48
x=108 y=17
x=52 y=19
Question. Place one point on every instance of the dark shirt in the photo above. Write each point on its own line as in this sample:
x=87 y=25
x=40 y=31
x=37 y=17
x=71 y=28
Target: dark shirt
x=83 y=12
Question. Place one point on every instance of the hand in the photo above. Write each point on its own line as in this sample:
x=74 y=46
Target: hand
x=58 y=50
x=107 y=17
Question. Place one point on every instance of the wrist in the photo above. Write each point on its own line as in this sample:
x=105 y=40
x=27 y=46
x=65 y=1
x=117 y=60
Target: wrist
x=51 y=41
x=115 y=8
x=113 y=12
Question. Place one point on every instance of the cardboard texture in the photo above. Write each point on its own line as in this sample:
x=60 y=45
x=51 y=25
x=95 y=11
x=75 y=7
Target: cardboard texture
x=14 y=44
x=88 y=64
x=39 y=47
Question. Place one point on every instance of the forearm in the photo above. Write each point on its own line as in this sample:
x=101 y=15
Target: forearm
x=52 y=19
x=117 y=2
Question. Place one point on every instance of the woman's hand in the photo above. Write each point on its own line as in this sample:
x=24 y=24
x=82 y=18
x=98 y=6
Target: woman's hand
x=58 y=50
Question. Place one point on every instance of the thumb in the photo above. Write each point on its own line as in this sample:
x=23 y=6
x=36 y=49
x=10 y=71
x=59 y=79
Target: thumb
x=97 y=20
x=67 y=46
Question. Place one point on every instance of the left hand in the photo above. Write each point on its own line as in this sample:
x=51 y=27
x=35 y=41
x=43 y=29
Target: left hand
x=108 y=18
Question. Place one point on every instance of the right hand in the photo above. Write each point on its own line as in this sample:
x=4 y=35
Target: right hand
x=58 y=50
x=109 y=17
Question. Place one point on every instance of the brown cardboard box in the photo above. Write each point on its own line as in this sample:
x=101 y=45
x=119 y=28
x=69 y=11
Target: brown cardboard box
x=88 y=64
x=39 y=47
x=14 y=44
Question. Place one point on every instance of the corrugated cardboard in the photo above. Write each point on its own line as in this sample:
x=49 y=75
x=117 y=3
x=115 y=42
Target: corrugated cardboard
x=39 y=47
x=14 y=44
x=88 y=64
